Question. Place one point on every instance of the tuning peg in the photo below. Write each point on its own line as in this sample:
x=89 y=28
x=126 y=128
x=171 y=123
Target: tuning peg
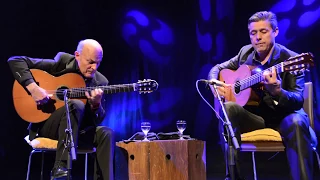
x=293 y=72
x=299 y=72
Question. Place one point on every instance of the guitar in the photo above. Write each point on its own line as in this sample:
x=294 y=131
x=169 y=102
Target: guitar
x=29 y=111
x=247 y=76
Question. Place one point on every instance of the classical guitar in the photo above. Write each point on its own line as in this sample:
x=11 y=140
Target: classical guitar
x=246 y=76
x=29 y=111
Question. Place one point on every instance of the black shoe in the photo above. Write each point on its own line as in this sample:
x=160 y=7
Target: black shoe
x=59 y=173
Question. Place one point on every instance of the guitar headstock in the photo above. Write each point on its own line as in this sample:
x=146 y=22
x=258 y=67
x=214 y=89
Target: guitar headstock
x=146 y=86
x=299 y=63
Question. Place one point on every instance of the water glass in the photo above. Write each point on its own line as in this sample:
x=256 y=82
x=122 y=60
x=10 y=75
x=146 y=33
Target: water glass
x=145 y=127
x=181 y=125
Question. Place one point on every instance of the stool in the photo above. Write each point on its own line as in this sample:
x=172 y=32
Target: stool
x=268 y=140
x=42 y=145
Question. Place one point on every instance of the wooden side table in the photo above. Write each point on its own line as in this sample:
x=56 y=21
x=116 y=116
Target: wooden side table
x=165 y=159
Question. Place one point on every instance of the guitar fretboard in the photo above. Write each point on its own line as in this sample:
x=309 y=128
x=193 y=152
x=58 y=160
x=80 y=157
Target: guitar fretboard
x=111 y=89
x=258 y=77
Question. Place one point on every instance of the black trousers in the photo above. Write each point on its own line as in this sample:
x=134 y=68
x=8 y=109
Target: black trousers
x=85 y=134
x=294 y=128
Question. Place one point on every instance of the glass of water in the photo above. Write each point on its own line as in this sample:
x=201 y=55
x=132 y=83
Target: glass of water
x=181 y=125
x=145 y=127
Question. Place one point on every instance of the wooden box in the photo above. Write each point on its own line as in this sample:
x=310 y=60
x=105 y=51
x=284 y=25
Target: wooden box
x=165 y=159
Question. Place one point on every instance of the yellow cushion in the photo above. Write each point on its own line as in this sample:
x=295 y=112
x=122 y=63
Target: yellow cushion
x=266 y=134
x=43 y=143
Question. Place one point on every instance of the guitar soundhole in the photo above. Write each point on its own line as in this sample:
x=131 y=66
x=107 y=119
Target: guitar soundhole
x=237 y=87
x=60 y=91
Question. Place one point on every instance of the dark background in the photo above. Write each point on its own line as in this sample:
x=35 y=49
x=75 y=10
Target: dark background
x=178 y=43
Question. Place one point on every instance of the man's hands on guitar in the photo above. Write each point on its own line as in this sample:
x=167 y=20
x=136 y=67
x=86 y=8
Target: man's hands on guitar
x=271 y=83
x=223 y=88
x=95 y=98
x=39 y=95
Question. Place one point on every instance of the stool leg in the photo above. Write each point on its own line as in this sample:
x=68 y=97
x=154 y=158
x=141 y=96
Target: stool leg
x=42 y=163
x=225 y=156
x=86 y=167
x=227 y=162
x=254 y=166
x=29 y=164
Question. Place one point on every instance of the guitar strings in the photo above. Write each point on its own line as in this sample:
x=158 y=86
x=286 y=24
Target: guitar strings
x=84 y=89
x=259 y=75
x=255 y=76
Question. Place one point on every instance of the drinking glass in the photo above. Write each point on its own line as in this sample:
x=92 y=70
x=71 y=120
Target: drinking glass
x=181 y=125
x=145 y=127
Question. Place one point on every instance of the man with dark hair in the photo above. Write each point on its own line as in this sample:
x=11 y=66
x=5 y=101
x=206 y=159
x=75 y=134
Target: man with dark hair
x=281 y=102
x=85 y=118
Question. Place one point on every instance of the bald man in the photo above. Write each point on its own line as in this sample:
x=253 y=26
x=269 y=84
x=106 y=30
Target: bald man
x=85 y=118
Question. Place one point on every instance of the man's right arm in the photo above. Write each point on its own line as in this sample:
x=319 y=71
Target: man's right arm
x=20 y=67
x=232 y=64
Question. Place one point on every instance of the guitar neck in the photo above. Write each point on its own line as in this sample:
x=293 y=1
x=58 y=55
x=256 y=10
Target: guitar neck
x=111 y=89
x=258 y=77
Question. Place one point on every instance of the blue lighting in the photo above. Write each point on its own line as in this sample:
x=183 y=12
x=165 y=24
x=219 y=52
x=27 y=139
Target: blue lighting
x=283 y=28
x=152 y=36
x=164 y=35
x=225 y=8
x=286 y=25
x=309 y=18
x=170 y=97
x=283 y=6
x=148 y=50
x=203 y=74
x=220 y=43
x=205 y=41
x=139 y=17
x=205 y=9
x=158 y=125
x=128 y=30
x=120 y=113
x=308 y=2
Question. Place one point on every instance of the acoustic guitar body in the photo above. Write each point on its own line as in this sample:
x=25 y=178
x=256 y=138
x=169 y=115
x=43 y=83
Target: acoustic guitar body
x=27 y=108
x=234 y=94
x=247 y=80
x=55 y=86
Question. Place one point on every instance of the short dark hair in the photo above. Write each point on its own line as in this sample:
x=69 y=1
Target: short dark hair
x=264 y=15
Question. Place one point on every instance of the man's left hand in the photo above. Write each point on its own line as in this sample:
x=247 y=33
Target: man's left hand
x=95 y=98
x=271 y=83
